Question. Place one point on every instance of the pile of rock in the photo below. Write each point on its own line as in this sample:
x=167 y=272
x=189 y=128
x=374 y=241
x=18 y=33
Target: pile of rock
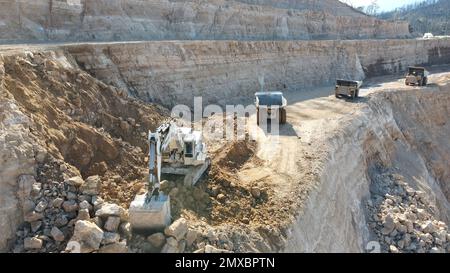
x=404 y=219
x=199 y=237
x=179 y=237
x=68 y=215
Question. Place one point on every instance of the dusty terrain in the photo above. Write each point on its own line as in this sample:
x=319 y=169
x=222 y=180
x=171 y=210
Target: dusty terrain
x=340 y=174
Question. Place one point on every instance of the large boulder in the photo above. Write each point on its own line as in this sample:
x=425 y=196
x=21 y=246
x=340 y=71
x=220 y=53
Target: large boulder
x=88 y=235
x=92 y=185
x=110 y=209
x=75 y=181
x=177 y=229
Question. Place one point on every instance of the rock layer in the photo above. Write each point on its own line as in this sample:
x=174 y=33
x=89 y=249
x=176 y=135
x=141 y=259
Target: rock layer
x=119 y=20
x=223 y=72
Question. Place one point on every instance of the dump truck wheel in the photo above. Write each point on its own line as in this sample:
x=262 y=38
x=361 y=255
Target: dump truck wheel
x=283 y=116
x=425 y=81
x=357 y=93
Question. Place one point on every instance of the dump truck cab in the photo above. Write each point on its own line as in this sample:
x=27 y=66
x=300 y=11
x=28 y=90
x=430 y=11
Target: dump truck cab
x=347 y=88
x=417 y=76
x=274 y=103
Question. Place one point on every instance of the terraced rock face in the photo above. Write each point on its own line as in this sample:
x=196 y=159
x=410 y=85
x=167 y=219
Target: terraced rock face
x=227 y=72
x=329 y=6
x=120 y=20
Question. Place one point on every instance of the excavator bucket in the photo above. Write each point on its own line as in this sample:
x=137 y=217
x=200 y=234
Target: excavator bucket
x=152 y=214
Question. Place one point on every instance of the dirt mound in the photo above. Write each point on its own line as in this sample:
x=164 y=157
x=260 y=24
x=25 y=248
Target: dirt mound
x=94 y=127
x=236 y=155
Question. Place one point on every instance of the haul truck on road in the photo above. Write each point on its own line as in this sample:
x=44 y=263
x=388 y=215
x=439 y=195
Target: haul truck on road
x=270 y=105
x=417 y=76
x=347 y=88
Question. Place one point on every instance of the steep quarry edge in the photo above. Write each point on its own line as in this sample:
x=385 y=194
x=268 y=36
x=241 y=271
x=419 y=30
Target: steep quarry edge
x=385 y=179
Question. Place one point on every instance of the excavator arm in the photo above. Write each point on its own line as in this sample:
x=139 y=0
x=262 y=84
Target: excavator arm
x=154 y=163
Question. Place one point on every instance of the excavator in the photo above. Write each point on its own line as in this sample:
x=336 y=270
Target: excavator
x=172 y=150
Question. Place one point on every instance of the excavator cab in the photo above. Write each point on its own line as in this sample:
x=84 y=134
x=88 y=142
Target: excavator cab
x=189 y=148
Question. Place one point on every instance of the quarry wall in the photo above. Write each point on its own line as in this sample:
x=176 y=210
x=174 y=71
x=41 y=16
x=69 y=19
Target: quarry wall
x=120 y=20
x=224 y=72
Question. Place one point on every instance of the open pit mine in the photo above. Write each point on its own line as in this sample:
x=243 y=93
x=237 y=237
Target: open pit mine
x=93 y=159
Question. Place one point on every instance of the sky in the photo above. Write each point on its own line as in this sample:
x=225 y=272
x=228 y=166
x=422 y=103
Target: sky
x=385 y=5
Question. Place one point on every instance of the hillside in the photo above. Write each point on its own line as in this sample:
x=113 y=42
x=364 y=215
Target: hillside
x=430 y=16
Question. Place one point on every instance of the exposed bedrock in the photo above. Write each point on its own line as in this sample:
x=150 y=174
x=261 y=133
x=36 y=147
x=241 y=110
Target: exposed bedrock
x=120 y=20
x=227 y=72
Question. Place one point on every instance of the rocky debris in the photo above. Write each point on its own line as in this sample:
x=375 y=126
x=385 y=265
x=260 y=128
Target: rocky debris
x=110 y=209
x=57 y=234
x=177 y=229
x=75 y=181
x=63 y=212
x=85 y=205
x=35 y=226
x=70 y=206
x=83 y=214
x=88 y=235
x=33 y=243
x=212 y=249
x=157 y=240
x=191 y=236
x=112 y=224
x=110 y=238
x=92 y=185
x=57 y=202
x=120 y=247
x=33 y=216
x=404 y=219
x=171 y=246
